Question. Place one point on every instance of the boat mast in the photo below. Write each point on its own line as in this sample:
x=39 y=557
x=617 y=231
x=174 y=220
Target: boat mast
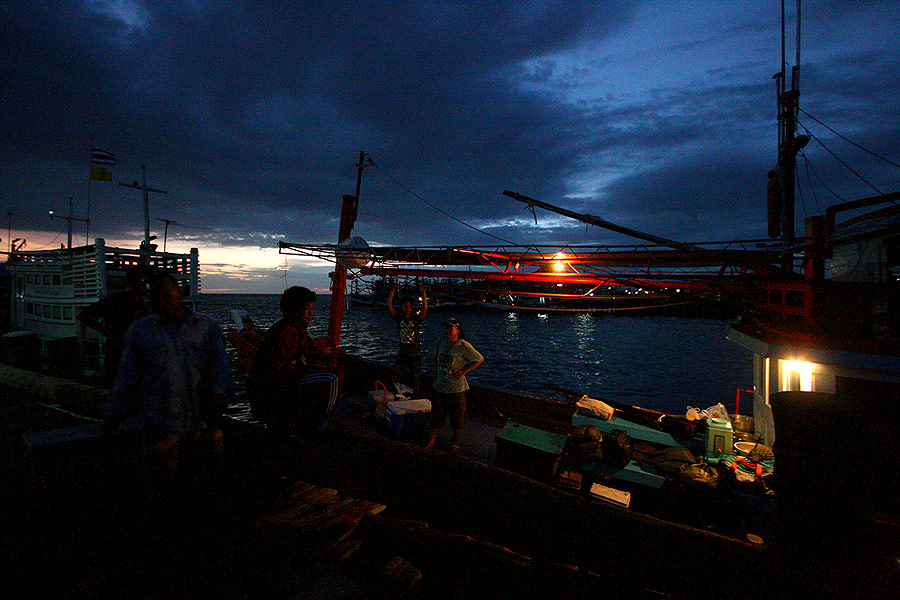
x=71 y=217
x=339 y=276
x=781 y=218
x=146 y=190
x=598 y=222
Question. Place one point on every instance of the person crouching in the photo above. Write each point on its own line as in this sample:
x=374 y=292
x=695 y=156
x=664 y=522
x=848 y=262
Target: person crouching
x=291 y=386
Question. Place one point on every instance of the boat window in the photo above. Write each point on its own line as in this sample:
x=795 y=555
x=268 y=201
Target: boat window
x=67 y=312
x=29 y=308
x=56 y=279
x=47 y=279
x=57 y=312
x=29 y=278
x=67 y=281
x=48 y=312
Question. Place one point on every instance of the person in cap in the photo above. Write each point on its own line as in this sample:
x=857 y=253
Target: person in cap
x=454 y=358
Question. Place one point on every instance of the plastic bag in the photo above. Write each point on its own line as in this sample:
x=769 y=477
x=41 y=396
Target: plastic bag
x=403 y=392
x=380 y=397
x=717 y=412
x=694 y=414
x=595 y=408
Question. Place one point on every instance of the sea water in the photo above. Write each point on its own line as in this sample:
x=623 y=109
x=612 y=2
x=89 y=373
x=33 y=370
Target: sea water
x=663 y=363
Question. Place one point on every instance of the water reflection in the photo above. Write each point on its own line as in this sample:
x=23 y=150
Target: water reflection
x=666 y=363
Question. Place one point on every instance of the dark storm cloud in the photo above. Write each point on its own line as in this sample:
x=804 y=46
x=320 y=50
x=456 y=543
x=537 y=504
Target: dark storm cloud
x=266 y=105
x=252 y=115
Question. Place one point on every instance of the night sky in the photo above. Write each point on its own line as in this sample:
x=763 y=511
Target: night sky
x=656 y=115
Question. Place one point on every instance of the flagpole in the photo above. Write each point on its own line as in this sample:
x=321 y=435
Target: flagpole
x=99 y=159
x=87 y=220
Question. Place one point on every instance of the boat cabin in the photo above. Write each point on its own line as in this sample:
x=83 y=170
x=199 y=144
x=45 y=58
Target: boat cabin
x=836 y=330
x=50 y=287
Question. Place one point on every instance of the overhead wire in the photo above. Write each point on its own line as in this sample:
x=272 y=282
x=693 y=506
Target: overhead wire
x=443 y=212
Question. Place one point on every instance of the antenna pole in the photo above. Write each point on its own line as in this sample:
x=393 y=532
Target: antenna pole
x=782 y=40
x=69 y=227
x=146 y=206
x=789 y=144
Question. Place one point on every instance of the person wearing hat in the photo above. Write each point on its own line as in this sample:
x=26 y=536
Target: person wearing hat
x=454 y=357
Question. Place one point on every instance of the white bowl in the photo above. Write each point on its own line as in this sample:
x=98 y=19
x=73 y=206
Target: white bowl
x=744 y=448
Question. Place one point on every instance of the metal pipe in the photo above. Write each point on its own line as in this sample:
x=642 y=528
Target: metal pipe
x=597 y=221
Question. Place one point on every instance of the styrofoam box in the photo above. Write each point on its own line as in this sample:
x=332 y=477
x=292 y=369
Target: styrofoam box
x=408 y=417
x=611 y=495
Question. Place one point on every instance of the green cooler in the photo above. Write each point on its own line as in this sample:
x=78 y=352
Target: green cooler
x=529 y=451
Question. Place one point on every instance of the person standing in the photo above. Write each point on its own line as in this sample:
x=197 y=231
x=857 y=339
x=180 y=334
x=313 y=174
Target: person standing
x=408 y=363
x=292 y=387
x=174 y=376
x=454 y=357
x=113 y=314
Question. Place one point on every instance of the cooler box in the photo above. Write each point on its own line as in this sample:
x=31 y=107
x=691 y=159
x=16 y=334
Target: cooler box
x=407 y=418
x=529 y=451
x=611 y=495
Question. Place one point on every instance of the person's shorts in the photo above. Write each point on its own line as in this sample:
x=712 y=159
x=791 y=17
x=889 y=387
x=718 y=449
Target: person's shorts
x=444 y=405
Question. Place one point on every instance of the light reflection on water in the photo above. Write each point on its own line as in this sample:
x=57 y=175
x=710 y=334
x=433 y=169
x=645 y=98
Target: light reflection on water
x=665 y=363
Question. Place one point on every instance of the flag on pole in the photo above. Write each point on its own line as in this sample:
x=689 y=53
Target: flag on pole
x=100 y=160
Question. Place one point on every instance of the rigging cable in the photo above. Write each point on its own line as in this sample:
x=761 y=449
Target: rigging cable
x=851 y=142
x=446 y=214
x=849 y=168
x=812 y=189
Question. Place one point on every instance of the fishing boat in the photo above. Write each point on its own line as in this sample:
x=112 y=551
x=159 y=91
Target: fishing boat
x=821 y=319
x=48 y=288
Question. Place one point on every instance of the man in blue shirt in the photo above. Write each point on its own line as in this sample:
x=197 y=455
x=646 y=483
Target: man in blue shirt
x=174 y=376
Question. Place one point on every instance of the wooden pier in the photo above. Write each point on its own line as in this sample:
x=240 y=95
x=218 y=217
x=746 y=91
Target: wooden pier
x=345 y=515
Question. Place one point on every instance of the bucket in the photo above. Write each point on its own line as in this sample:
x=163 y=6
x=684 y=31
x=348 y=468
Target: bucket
x=743 y=436
x=742 y=423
